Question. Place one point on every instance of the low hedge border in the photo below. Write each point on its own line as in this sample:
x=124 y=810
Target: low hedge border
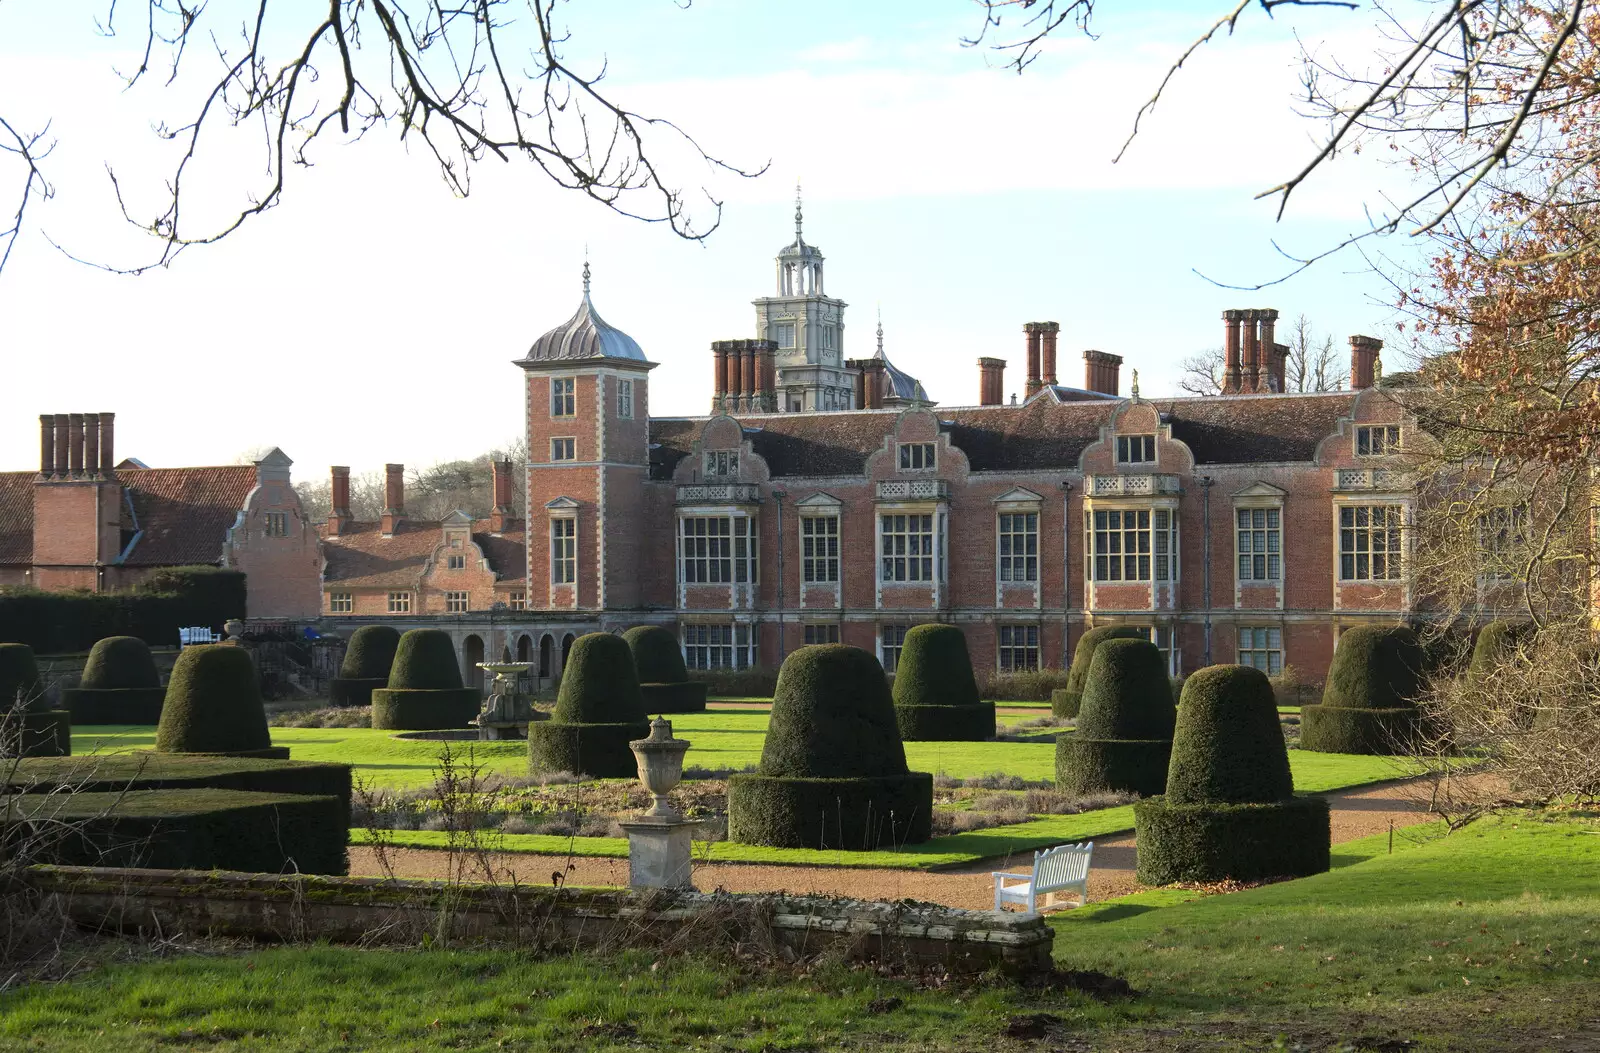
x=191 y=830
x=36 y=733
x=945 y=723
x=686 y=697
x=146 y=770
x=114 y=705
x=1341 y=729
x=266 y=753
x=348 y=691
x=424 y=709
x=862 y=814
x=1242 y=842
x=1085 y=766
x=1064 y=703
x=600 y=750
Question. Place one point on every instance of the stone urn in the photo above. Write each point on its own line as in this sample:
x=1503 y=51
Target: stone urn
x=233 y=628
x=660 y=766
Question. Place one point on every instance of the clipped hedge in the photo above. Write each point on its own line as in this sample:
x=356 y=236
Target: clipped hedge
x=425 y=660
x=934 y=675
x=20 y=683
x=213 y=705
x=598 y=711
x=1065 y=701
x=1496 y=641
x=598 y=750
x=186 y=830
x=673 y=698
x=114 y=772
x=664 y=683
x=1368 y=705
x=27 y=727
x=857 y=814
x=170 y=599
x=368 y=658
x=1123 y=742
x=1088 y=766
x=396 y=709
x=1231 y=744
x=974 y=723
x=120 y=685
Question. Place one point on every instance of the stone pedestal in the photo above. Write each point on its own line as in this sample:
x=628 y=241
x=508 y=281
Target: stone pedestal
x=658 y=852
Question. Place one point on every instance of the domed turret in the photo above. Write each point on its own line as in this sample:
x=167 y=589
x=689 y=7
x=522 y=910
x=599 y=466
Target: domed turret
x=584 y=336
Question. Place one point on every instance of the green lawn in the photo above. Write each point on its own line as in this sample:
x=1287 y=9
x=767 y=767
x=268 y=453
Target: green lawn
x=1488 y=939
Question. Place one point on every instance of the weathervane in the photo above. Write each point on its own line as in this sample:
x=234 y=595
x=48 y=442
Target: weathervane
x=797 y=237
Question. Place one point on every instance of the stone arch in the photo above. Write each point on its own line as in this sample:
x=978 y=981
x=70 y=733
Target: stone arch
x=524 y=647
x=566 y=649
x=547 y=658
x=471 y=655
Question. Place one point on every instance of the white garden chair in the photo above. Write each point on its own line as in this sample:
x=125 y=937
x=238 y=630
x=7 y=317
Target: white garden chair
x=1055 y=870
x=198 y=634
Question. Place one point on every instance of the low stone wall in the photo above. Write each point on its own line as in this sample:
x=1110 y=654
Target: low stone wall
x=291 y=908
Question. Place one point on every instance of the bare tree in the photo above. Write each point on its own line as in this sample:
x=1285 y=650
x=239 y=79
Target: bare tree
x=1202 y=372
x=1313 y=364
x=432 y=492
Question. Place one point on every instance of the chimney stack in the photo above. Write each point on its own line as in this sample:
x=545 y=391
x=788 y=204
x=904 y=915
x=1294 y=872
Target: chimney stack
x=1252 y=351
x=502 y=496
x=76 y=445
x=1047 y=353
x=1231 y=380
x=75 y=442
x=91 y=443
x=991 y=381
x=1364 y=351
x=875 y=378
x=394 y=497
x=1278 y=363
x=768 y=355
x=719 y=373
x=47 y=445
x=1102 y=372
x=108 y=463
x=62 y=457
x=1266 y=344
x=339 y=518
x=1033 y=333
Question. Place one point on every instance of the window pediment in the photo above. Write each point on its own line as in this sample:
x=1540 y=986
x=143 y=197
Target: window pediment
x=561 y=504
x=820 y=501
x=1260 y=491
x=1019 y=495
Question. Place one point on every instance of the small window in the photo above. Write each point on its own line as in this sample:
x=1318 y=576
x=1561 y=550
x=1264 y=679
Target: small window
x=1260 y=545
x=1377 y=440
x=399 y=603
x=341 y=602
x=277 y=524
x=891 y=639
x=564 y=551
x=827 y=337
x=563 y=449
x=718 y=646
x=785 y=331
x=722 y=463
x=1262 y=648
x=1136 y=449
x=456 y=562
x=1019 y=647
x=625 y=399
x=455 y=602
x=518 y=601
x=822 y=634
x=819 y=548
x=563 y=397
x=917 y=457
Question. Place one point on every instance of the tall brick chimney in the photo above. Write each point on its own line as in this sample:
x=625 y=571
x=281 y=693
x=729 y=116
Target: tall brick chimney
x=502 y=496
x=91 y=443
x=991 y=381
x=1251 y=366
x=108 y=460
x=1278 y=367
x=1033 y=337
x=875 y=379
x=75 y=443
x=339 y=518
x=719 y=373
x=1231 y=375
x=1364 y=351
x=1266 y=343
x=768 y=357
x=1102 y=372
x=62 y=444
x=1047 y=351
x=47 y=445
x=394 y=497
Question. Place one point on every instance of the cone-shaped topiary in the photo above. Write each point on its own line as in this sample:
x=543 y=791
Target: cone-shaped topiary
x=120 y=685
x=28 y=726
x=935 y=694
x=599 y=710
x=213 y=705
x=424 y=691
x=1368 y=704
x=663 y=679
x=833 y=770
x=1065 y=701
x=1229 y=811
x=1124 y=738
x=367 y=661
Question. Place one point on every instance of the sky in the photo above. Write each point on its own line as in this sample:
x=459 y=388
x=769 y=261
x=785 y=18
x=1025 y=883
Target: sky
x=373 y=316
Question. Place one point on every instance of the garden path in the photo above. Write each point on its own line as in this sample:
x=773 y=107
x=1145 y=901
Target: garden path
x=1356 y=813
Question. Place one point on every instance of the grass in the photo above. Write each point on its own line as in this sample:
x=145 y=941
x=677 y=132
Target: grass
x=1488 y=939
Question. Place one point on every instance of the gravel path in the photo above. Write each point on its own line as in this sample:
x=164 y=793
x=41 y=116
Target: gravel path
x=1356 y=813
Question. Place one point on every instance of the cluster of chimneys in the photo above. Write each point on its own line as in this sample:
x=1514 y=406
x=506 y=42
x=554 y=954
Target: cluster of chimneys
x=76 y=445
x=745 y=375
x=1101 y=371
x=394 y=499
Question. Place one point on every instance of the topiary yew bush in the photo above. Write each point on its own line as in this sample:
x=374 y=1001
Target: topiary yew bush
x=833 y=769
x=1123 y=742
x=1496 y=641
x=213 y=705
x=1229 y=811
x=367 y=661
x=28 y=726
x=935 y=693
x=1065 y=701
x=599 y=710
x=120 y=685
x=424 y=691
x=1368 y=705
x=664 y=681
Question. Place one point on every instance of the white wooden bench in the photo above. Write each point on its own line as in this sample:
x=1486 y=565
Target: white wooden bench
x=198 y=634
x=1061 y=869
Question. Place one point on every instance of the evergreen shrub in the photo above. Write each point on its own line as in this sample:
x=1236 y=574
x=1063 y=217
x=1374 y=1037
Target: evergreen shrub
x=113 y=772
x=833 y=769
x=1368 y=704
x=1123 y=741
x=28 y=726
x=119 y=685
x=213 y=705
x=935 y=694
x=368 y=658
x=664 y=683
x=1229 y=811
x=170 y=599
x=1065 y=701
x=424 y=691
x=598 y=711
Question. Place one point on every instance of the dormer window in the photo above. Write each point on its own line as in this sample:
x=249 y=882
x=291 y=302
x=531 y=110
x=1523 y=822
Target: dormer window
x=917 y=457
x=1377 y=440
x=1136 y=449
x=722 y=463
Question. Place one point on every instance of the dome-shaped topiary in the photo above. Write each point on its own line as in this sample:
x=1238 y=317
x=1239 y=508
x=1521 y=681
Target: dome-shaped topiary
x=1496 y=642
x=663 y=678
x=1124 y=736
x=120 y=685
x=1065 y=701
x=1368 y=704
x=20 y=684
x=833 y=769
x=213 y=705
x=368 y=658
x=424 y=691
x=28 y=726
x=599 y=710
x=935 y=693
x=1229 y=811
x=1228 y=746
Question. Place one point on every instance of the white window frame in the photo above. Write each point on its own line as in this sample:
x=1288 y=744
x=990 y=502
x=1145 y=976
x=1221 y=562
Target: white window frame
x=1356 y=541
x=819 y=549
x=1018 y=648
x=276 y=524
x=1136 y=449
x=1152 y=535
x=342 y=602
x=827 y=337
x=1387 y=438
x=564 y=550
x=906 y=548
x=718 y=550
x=718 y=645
x=919 y=456
x=821 y=633
x=1258 y=550
x=1261 y=647
x=400 y=602
x=563 y=448
x=891 y=641
x=625 y=399
x=784 y=334
x=517 y=601
x=1017 y=546
x=563 y=396
x=457 y=602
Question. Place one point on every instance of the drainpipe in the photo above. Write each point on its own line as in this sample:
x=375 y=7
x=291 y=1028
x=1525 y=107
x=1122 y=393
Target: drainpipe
x=1205 y=486
x=1066 y=571
x=778 y=496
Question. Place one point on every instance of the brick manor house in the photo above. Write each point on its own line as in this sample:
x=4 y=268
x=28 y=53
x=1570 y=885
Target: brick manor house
x=825 y=498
